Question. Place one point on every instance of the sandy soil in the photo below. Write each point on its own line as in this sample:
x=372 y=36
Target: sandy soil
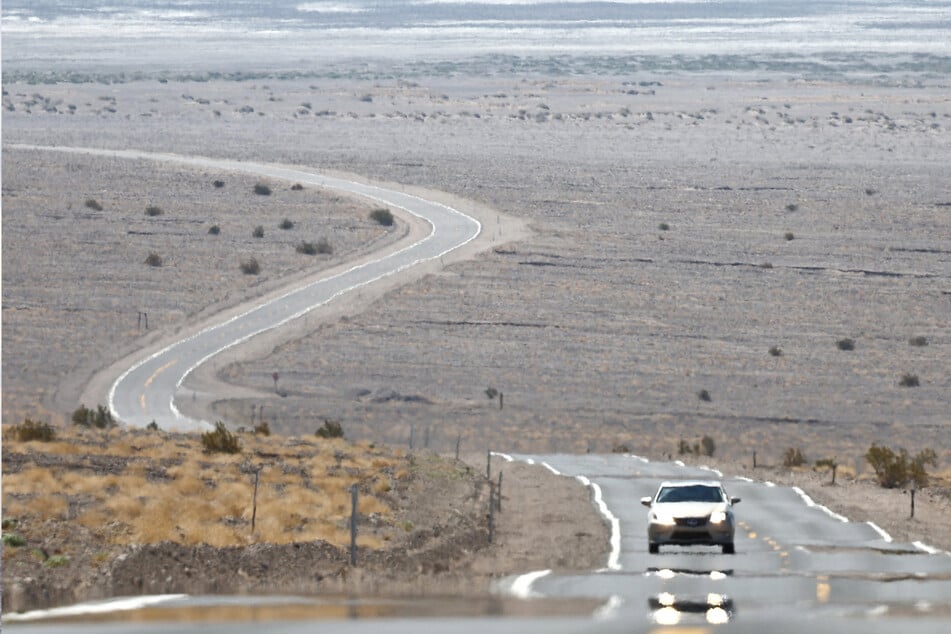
x=682 y=227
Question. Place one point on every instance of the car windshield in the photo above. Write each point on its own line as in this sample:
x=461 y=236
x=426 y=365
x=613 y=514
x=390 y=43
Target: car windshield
x=692 y=493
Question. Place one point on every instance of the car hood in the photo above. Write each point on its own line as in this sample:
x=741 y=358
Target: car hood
x=688 y=509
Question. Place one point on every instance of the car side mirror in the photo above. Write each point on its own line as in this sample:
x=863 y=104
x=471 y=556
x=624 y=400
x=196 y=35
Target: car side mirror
x=646 y=501
x=734 y=500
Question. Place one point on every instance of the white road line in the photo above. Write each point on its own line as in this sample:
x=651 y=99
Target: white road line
x=931 y=550
x=609 y=610
x=885 y=536
x=810 y=503
x=98 y=607
x=522 y=586
x=615 y=556
x=551 y=468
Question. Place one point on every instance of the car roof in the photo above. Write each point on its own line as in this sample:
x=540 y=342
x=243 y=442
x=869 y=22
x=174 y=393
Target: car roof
x=688 y=483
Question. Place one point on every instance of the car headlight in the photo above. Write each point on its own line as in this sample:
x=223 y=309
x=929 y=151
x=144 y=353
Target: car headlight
x=664 y=520
x=718 y=517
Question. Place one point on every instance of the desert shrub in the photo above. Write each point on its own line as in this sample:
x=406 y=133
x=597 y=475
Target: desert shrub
x=491 y=393
x=620 y=448
x=296 y=187
x=706 y=447
x=664 y=226
x=367 y=98
x=845 y=344
x=55 y=561
x=218 y=184
x=313 y=248
x=330 y=429
x=704 y=395
x=793 y=457
x=101 y=417
x=826 y=463
x=792 y=207
x=93 y=204
x=250 y=266
x=776 y=351
x=909 y=380
x=897 y=469
x=220 y=440
x=258 y=232
x=286 y=224
x=870 y=192
x=214 y=230
x=152 y=210
x=789 y=236
x=262 y=190
x=153 y=426
x=13 y=539
x=263 y=429
x=918 y=342
x=382 y=216
x=154 y=259
x=34 y=430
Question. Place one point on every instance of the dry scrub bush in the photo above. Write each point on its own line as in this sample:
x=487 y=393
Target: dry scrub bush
x=33 y=430
x=793 y=457
x=382 y=216
x=220 y=440
x=897 y=469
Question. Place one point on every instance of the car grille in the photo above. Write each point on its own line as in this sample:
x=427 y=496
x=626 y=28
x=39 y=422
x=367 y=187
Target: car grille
x=691 y=522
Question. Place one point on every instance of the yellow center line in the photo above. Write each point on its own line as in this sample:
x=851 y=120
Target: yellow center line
x=165 y=367
x=149 y=380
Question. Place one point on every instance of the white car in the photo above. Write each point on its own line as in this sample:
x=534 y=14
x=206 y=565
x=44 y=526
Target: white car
x=691 y=512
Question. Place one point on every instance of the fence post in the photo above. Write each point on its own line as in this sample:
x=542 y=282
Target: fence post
x=754 y=458
x=498 y=496
x=353 y=527
x=412 y=434
x=912 y=501
x=254 y=503
x=458 y=440
x=488 y=465
x=491 y=512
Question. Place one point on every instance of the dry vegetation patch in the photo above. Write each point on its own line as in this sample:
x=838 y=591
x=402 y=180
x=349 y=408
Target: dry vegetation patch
x=156 y=486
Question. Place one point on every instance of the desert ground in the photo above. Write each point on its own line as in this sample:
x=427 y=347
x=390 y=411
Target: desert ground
x=690 y=234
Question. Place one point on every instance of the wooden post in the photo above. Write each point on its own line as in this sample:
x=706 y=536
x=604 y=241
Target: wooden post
x=501 y=396
x=488 y=465
x=834 y=467
x=498 y=496
x=491 y=512
x=754 y=458
x=458 y=441
x=353 y=527
x=912 y=501
x=254 y=503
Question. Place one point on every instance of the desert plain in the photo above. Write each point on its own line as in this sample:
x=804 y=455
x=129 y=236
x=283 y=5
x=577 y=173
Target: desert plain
x=696 y=250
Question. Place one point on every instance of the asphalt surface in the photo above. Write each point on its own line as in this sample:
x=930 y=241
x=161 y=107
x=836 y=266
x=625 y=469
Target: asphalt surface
x=798 y=567
x=146 y=392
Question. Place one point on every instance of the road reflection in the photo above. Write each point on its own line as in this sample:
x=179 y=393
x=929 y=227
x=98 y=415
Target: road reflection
x=669 y=609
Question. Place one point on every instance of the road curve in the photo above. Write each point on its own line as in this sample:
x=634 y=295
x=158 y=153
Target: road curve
x=146 y=391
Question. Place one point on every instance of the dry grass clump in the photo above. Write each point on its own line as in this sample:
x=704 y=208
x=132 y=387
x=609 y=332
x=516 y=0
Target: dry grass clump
x=149 y=487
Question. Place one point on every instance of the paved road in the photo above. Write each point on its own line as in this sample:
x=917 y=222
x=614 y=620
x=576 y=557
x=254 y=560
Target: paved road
x=798 y=567
x=146 y=392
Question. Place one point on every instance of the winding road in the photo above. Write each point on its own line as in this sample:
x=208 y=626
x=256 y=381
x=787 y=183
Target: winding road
x=798 y=566
x=147 y=390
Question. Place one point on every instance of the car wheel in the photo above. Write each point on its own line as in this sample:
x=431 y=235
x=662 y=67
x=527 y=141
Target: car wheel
x=729 y=549
x=653 y=548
